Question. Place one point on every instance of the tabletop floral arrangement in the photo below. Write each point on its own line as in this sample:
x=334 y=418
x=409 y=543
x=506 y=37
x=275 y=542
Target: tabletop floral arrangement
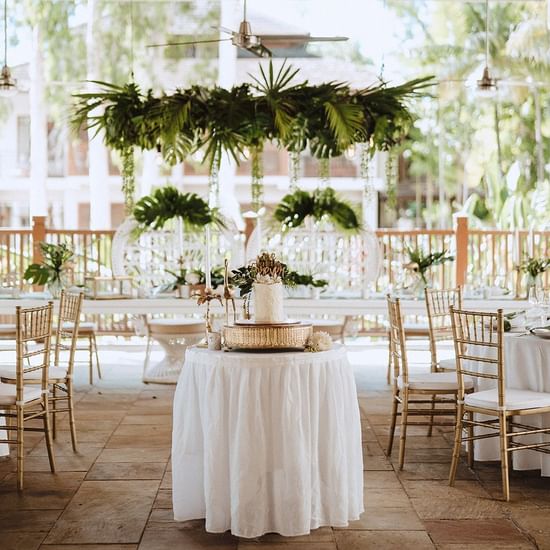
x=52 y=270
x=420 y=263
x=534 y=268
x=319 y=341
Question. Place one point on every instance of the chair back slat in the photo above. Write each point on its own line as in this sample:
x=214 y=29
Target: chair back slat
x=70 y=307
x=398 y=352
x=438 y=303
x=478 y=338
x=33 y=340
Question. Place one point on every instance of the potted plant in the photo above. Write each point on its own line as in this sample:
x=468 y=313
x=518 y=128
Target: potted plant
x=52 y=271
x=420 y=263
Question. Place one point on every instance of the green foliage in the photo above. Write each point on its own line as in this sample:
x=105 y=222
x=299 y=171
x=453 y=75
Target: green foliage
x=321 y=203
x=326 y=118
x=535 y=266
x=168 y=202
x=420 y=261
x=296 y=279
x=55 y=260
x=480 y=140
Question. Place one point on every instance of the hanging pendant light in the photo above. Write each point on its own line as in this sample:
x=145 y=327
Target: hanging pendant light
x=487 y=85
x=8 y=84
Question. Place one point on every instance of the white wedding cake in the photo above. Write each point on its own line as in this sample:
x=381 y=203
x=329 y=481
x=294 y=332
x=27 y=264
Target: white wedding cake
x=268 y=303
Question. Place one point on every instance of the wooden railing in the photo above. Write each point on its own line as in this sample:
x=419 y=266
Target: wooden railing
x=482 y=257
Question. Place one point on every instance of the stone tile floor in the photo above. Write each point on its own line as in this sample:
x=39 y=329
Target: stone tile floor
x=115 y=494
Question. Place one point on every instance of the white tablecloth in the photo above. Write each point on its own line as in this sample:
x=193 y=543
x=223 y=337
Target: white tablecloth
x=267 y=442
x=527 y=367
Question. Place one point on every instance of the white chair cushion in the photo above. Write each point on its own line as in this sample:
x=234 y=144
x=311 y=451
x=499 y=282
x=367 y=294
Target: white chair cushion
x=448 y=364
x=434 y=381
x=55 y=372
x=515 y=399
x=84 y=326
x=415 y=326
x=8 y=394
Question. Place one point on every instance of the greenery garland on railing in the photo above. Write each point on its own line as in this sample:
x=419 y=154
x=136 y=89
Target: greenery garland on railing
x=325 y=118
x=167 y=203
x=295 y=207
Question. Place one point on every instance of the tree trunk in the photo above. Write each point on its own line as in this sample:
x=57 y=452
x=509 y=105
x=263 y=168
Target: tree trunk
x=38 y=127
x=98 y=167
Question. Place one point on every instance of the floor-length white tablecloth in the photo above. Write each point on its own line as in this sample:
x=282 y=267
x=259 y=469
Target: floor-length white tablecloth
x=267 y=442
x=527 y=367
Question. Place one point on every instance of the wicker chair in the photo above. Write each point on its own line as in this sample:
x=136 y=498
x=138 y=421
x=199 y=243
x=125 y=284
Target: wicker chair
x=436 y=389
x=22 y=403
x=478 y=338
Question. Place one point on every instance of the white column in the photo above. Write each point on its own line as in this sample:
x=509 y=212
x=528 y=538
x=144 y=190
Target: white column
x=39 y=129
x=70 y=208
x=98 y=167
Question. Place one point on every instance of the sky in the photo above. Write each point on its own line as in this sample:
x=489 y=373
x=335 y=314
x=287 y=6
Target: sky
x=365 y=22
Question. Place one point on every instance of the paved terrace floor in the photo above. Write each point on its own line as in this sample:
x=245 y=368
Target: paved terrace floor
x=115 y=494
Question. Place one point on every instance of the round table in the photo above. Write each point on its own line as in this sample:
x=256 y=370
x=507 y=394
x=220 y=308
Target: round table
x=267 y=442
x=174 y=336
x=527 y=367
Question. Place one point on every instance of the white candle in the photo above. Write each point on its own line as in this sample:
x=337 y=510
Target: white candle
x=207 y=267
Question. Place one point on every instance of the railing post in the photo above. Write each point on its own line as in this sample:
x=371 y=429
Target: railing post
x=461 y=239
x=38 y=235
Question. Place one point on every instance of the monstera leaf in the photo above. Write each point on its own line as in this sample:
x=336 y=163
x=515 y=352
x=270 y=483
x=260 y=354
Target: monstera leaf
x=321 y=203
x=168 y=202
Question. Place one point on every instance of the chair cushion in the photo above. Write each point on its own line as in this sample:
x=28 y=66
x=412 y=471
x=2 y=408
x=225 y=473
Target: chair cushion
x=84 y=326
x=448 y=364
x=8 y=394
x=515 y=399
x=434 y=381
x=55 y=373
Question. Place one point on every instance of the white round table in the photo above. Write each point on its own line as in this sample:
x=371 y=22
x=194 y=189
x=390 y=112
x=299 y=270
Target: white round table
x=174 y=336
x=527 y=367
x=267 y=442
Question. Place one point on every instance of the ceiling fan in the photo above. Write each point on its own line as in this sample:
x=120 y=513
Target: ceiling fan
x=245 y=39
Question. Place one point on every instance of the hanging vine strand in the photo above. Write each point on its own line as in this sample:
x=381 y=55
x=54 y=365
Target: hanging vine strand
x=214 y=184
x=257 y=186
x=128 y=179
x=294 y=169
x=367 y=153
x=391 y=181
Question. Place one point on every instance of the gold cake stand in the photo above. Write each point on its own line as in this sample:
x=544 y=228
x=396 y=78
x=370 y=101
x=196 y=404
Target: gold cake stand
x=267 y=336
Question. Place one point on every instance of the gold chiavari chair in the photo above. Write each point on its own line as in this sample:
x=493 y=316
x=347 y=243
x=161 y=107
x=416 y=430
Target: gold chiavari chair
x=438 y=303
x=438 y=389
x=478 y=338
x=60 y=375
x=21 y=402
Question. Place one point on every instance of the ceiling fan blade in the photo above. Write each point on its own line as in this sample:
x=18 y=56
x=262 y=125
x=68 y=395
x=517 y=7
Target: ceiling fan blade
x=222 y=29
x=187 y=43
x=301 y=38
